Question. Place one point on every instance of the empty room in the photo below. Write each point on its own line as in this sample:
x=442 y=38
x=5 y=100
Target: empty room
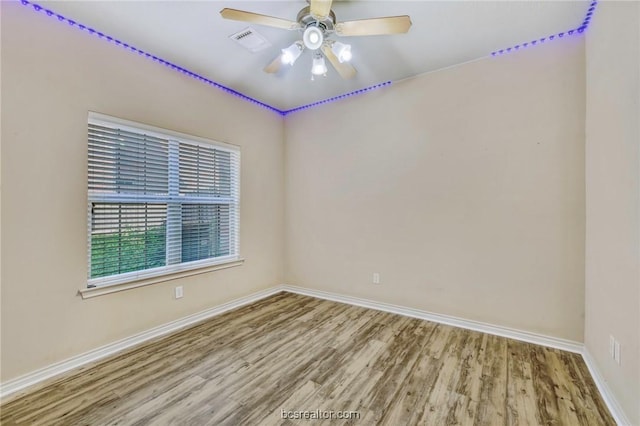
x=320 y=212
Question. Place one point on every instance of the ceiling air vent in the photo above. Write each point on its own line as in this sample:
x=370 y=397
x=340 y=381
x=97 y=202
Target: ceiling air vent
x=250 y=39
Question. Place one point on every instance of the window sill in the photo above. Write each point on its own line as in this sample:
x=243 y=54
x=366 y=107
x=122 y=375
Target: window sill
x=88 y=293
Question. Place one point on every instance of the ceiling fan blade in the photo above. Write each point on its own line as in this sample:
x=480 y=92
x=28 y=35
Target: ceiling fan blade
x=256 y=18
x=320 y=8
x=375 y=26
x=345 y=69
x=274 y=66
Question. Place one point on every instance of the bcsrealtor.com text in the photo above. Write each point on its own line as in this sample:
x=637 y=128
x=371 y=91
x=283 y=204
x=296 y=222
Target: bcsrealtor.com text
x=319 y=415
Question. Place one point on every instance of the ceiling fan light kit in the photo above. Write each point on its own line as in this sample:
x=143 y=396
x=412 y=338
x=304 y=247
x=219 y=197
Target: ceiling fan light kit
x=319 y=66
x=317 y=22
x=291 y=53
x=342 y=51
x=313 y=37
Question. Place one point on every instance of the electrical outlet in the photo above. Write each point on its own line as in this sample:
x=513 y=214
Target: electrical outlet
x=612 y=345
x=376 y=278
x=616 y=352
x=179 y=292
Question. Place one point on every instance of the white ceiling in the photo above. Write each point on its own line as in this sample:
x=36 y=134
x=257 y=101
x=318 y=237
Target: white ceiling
x=192 y=35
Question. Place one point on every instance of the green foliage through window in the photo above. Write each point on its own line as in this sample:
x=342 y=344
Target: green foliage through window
x=157 y=200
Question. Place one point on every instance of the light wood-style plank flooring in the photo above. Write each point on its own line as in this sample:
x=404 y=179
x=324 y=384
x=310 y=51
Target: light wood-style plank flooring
x=291 y=352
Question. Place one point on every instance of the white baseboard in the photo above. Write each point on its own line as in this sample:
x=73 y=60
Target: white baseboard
x=12 y=386
x=609 y=398
x=525 y=336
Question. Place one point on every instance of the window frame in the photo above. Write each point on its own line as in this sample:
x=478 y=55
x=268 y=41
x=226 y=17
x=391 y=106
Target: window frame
x=168 y=271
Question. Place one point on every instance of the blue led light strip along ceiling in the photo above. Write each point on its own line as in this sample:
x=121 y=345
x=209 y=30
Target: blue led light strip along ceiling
x=579 y=30
x=38 y=8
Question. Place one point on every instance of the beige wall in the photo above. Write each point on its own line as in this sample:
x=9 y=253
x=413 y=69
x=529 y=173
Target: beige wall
x=463 y=188
x=52 y=75
x=613 y=198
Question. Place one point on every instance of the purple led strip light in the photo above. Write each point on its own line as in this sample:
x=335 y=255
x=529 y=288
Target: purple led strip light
x=579 y=30
x=157 y=59
x=335 y=98
x=103 y=36
x=210 y=82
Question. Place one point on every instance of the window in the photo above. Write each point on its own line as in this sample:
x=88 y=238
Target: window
x=159 y=202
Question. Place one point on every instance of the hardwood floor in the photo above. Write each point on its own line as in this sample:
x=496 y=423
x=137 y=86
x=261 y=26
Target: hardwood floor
x=291 y=352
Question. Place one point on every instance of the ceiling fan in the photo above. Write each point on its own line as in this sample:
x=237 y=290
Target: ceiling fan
x=317 y=23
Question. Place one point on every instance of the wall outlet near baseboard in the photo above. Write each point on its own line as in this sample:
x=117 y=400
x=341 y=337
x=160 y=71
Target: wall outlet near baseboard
x=614 y=349
x=612 y=345
x=179 y=292
x=376 y=278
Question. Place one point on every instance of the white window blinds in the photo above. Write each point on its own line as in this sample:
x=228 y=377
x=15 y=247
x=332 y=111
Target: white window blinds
x=159 y=201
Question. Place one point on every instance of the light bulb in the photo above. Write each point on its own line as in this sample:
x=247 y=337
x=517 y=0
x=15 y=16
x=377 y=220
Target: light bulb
x=313 y=38
x=291 y=53
x=287 y=58
x=318 y=67
x=342 y=51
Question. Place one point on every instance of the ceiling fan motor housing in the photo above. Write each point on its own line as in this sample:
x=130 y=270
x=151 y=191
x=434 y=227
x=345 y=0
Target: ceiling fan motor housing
x=306 y=19
x=315 y=30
